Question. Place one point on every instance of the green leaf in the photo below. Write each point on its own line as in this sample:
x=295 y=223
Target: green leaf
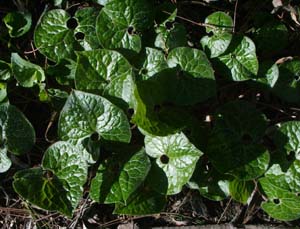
x=170 y=34
x=195 y=82
x=119 y=177
x=176 y=156
x=210 y=183
x=17 y=134
x=26 y=73
x=64 y=71
x=85 y=114
x=268 y=74
x=282 y=205
x=120 y=23
x=58 y=184
x=40 y=190
x=218 y=43
x=17 y=23
x=5 y=70
x=106 y=72
x=53 y=38
x=287 y=138
x=287 y=85
x=221 y=22
x=144 y=201
x=271 y=36
x=85 y=32
x=153 y=63
x=241 y=190
x=252 y=169
x=236 y=136
x=239 y=62
x=5 y=162
x=3 y=92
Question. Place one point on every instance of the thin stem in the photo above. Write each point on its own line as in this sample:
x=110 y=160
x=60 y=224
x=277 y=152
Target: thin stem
x=234 y=16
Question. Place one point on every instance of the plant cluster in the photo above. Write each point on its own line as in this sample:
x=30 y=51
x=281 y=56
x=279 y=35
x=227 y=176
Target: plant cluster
x=144 y=108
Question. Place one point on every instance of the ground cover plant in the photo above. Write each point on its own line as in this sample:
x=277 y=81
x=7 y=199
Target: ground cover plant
x=129 y=105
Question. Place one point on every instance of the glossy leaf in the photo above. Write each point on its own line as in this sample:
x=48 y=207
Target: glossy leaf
x=106 y=72
x=5 y=70
x=241 y=190
x=85 y=114
x=153 y=63
x=144 y=201
x=236 y=136
x=26 y=73
x=282 y=204
x=85 y=32
x=17 y=134
x=119 y=177
x=239 y=62
x=176 y=156
x=52 y=36
x=268 y=74
x=17 y=23
x=217 y=43
x=5 y=162
x=195 y=82
x=220 y=21
x=287 y=85
x=120 y=23
x=58 y=184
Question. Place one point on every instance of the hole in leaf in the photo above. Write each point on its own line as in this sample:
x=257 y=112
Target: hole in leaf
x=157 y=108
x=79 y=36
x=95 y=137
x=233 y=56
x=291 y=156
x=48 y=174
x=246 y=139
x=130 y=30
x=210 y=34
x=169 y=25
x=297 y=76
x=72 y=23
x=130 y=112
x=276 y=201
x=164 y=159
x=144 y=71
x=298 y=194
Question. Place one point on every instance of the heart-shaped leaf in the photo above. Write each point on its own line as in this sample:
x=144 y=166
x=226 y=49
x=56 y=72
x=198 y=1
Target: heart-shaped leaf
x=119 y=177
x=17 y=134
x=239 y=62
x=17 y=23
x=195 y=82
x=106 y=72
x=221 y=28
x=26 y=73
x=287 y=85
x=58 y=184
x=234 y=142
x=176 y=156
x=52 y=36
x=120 y=23
x=144 y=201
x=85 y=114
